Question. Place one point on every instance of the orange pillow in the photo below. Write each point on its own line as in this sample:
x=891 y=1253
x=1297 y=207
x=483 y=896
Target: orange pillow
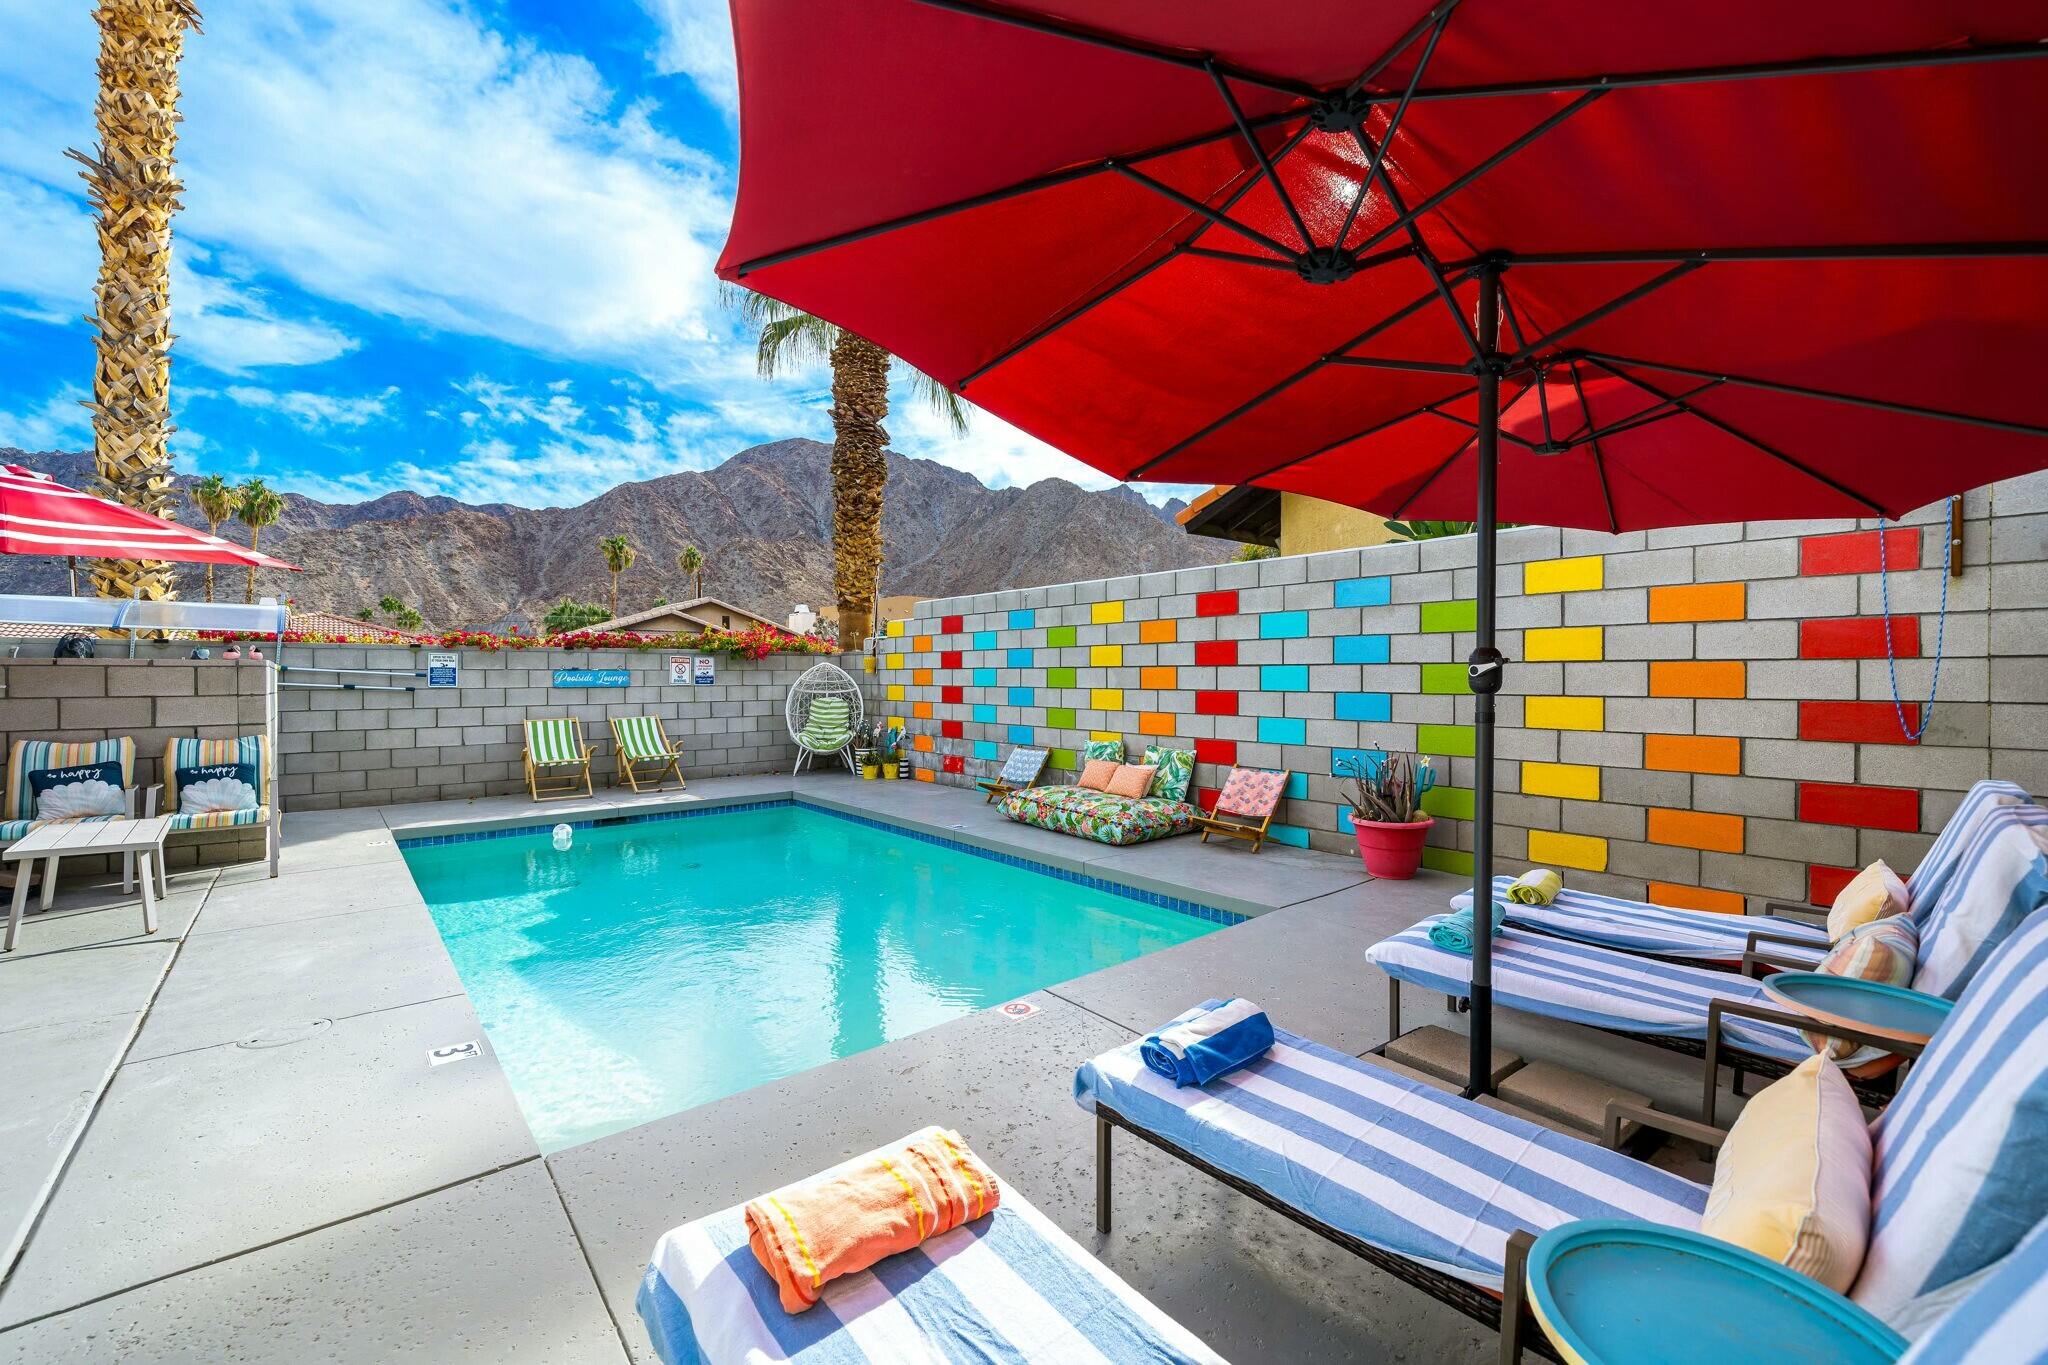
x=1095 y=776
x=1132 y=779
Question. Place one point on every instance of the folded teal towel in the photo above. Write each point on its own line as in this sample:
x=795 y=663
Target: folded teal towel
x=1453 y=932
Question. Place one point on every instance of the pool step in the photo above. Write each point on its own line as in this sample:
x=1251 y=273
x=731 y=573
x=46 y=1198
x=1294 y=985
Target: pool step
x=1572 y=1098
x=1409 y=1073
x=1447 y=1055
x=1544 y=1093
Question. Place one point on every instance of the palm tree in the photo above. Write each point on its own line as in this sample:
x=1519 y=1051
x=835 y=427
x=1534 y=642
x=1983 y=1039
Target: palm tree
x=618 y=557
x=259 y=506
x=691 y=561
x=132 y=181
x=218 y=501
x=860 y=400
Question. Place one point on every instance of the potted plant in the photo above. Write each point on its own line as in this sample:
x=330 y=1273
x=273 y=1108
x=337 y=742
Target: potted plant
x=1385 y=795
x=889 y=749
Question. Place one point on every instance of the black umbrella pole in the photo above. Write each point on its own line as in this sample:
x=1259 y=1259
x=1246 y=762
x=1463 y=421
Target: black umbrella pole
x=1484 y=672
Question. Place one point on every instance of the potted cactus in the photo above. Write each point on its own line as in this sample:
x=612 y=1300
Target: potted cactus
x=1385 y=795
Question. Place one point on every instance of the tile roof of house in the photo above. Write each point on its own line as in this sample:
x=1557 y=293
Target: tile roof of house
x=698 y=609
x=334 y=623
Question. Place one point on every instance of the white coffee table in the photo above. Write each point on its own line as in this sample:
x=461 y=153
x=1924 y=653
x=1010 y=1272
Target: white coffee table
x=68 y=839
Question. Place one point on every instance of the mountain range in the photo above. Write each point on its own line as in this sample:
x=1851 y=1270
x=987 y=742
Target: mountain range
x=762 y=520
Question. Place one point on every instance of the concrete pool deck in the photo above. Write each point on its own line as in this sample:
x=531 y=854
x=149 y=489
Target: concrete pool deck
x=228 y=1141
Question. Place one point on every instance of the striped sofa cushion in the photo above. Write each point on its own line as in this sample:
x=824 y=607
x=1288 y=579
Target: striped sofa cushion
x=253 y=750
x=2001 y=877
x=40 y=755
x=1959 y=1154
x=555 y=741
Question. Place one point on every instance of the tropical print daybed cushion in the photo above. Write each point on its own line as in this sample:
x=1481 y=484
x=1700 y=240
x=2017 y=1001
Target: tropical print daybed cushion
x=1099 y=816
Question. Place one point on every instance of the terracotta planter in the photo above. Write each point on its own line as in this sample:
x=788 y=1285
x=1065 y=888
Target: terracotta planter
x=1391 y=851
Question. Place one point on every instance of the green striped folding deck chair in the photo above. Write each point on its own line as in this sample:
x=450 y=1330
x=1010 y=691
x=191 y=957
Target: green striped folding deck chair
x=557 y=744
x=645 y=754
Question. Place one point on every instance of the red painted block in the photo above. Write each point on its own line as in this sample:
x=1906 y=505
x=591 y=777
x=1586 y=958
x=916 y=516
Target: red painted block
x=1858 y=637
x=1215 y=703
x=1206 y=798
x=951 y=625
x=952 y=729
x=1221 y=752
x=955 y=763
x=1216 y=653
x=1856 y=722
x=1216 y=603
x=1824 y=883
x=950 y=659
x=1842 y=803
x=956 y=695
x=1856 y=551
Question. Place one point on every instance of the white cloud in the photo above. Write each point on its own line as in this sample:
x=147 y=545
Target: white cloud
x=58 y=422
x=696 y=41
x=235 y=328
x=316 y=412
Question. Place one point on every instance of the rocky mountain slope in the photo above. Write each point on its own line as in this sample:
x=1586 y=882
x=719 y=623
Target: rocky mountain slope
x=763 y=520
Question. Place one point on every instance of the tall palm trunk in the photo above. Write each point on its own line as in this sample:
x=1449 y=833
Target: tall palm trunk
x=212 y=529
x=860 y=400
x=615 y=595
x=255 y=543
x=132 y=181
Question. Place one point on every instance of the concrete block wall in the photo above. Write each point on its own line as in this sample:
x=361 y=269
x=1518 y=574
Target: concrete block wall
x=151 y=700
x=1701 y=715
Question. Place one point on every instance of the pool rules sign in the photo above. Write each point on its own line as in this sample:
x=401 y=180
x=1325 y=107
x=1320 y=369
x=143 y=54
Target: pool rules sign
x=685 y=671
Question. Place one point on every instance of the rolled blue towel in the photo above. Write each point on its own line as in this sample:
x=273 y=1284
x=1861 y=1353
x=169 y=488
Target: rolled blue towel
x=1198 y=1050
x=1453 y=932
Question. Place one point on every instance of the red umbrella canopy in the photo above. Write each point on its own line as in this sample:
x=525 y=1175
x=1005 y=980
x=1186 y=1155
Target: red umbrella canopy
x=1786 y=260
x=39 y=516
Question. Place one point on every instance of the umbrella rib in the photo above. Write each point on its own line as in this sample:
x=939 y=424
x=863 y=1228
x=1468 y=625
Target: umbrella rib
x=1607 y=309
x=1378 y=151
x=1420 y=366
x=1433 y=410
x=1194 y=205
x=1258 y=148
x=1607 y=361
x=1732 y=430
x=1436 y=276
x=1656 y=412
x=1366 y=77
x=1376 y=427
x=1861 y=251
x=1210 y=253
x=1599 y=459
x=1423 y=487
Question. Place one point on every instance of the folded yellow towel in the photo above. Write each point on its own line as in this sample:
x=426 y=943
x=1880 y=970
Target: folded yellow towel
x=1537 y=886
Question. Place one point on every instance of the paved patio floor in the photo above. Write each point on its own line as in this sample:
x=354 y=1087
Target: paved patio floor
x=225 y=1141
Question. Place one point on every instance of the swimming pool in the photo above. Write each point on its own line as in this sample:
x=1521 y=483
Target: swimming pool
x=658 y=964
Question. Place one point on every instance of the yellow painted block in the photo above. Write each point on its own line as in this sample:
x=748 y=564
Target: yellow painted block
x=1105 y=656
x=1107 y=699
x=1564 y=713
x=1158 y=632
x=867 y=663
x=895 y=661
x=1106 y=613
x=895 y=722
x=1578 y=781
x=1104 y=737
x=1570 y=644
x=1583 y=574
x=1582 y=851
x=895 y=692
x=894 y=628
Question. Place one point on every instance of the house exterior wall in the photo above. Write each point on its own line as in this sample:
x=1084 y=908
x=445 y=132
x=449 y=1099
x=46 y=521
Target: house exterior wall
x=1310 y=526
x=1702 y=715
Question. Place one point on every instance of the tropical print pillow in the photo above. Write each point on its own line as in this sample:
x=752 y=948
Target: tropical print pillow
x=1176 y=771
x=1104 y=750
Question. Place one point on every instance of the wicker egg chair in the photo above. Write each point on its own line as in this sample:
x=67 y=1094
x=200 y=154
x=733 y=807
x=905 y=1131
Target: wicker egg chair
x=824 y=714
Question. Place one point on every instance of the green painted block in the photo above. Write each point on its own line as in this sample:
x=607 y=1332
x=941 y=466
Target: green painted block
x=1447 y=860
x=1064 y=758
x=1451 y=803
x=1061 y=718
x=1442 y=679
x=1440 y=618
x=1059 y=677
x=1454 y=741
x=1060 y=637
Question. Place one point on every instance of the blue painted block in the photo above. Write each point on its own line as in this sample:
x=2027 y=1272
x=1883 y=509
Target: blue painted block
x=1365 y=592
x=1360 y=649
x=985 y=714
x=1023 y=620
x=1283 y=678
x=1020 y=658
x=984 y=749
x=1344 y=825
x=1365 y=706
x=1020 y=696
x=1344 y=761
x=1297 y=787
x=1282 y=730
x=1283 y=625
x=1287 y=834
x=1020 y=734
x=984 y=639
x=984 y=677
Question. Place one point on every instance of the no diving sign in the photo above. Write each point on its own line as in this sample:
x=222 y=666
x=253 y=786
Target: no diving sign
x=1018 y=1009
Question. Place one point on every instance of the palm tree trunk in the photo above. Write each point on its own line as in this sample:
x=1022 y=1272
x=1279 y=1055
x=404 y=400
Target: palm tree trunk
x=132 y=182
x=255 y=537
x=860 y=400
x=212 y=529
x=615 y=594
x=700 y=582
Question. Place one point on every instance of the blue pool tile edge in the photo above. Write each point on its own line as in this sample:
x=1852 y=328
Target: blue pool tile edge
x=1135 y=893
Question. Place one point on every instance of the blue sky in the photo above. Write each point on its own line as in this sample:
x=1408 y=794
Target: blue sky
x=460 y=247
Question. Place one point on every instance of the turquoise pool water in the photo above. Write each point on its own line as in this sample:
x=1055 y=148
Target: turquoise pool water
x=656 y=966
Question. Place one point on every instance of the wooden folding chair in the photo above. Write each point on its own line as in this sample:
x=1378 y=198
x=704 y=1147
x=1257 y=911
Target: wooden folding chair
x=1020 y=770
x=1245 y=806
x=557 y=744
x=645 y=753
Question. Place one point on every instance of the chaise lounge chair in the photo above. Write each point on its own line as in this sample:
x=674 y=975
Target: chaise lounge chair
x=1245 y=806
x=1706 y=936
x=1008 y=1286
x=1020 y=770
x=645 y=753
x=1445 y=1193
x=557 y=744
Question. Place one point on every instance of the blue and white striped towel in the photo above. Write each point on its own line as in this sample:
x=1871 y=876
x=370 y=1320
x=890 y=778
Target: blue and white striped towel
x=1206 y=1043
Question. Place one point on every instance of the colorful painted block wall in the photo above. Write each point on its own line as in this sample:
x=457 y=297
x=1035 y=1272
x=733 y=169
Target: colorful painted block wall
x=1700 y=715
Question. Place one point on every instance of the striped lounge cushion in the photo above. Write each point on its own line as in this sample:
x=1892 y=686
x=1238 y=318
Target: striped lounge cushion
x=1999 y=1321
x=641 y=737
x=1945 y=854
x=1656 y=930
x=1010 y=1287
x=2001 y=877
x=28 y=756
x=1428 y=1176
x=555 y=742
x=184 y=754
x=1960 y=1153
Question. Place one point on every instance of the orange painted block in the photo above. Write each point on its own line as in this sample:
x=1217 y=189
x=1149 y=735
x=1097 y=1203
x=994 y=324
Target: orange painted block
x=925 y=774
x=1679 y=678
x=1158 y=632
x=921 y=743
x=1155 y=723
x=922 y=677
x=922 y=710
x=1160 y=678
x=921 y=643
x=1696 y=829
x=1696 y=898
x=1699 y=602
x=1693 y=753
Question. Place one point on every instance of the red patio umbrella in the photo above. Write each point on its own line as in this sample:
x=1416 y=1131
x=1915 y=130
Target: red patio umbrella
x=39 y=516
x=1574 y=262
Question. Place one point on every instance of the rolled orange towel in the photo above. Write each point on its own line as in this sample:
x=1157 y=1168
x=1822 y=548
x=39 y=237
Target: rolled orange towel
x=844 y=1220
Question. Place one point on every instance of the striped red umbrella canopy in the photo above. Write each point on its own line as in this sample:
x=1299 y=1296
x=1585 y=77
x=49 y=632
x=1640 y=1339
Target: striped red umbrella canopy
x=39 y=516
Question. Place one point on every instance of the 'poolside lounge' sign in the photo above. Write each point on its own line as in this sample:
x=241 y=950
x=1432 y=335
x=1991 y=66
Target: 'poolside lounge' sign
x=592 y=677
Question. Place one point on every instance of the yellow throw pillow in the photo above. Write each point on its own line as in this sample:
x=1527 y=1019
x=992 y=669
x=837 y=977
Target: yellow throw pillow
x=1793 y=1179
x=1871 y=894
